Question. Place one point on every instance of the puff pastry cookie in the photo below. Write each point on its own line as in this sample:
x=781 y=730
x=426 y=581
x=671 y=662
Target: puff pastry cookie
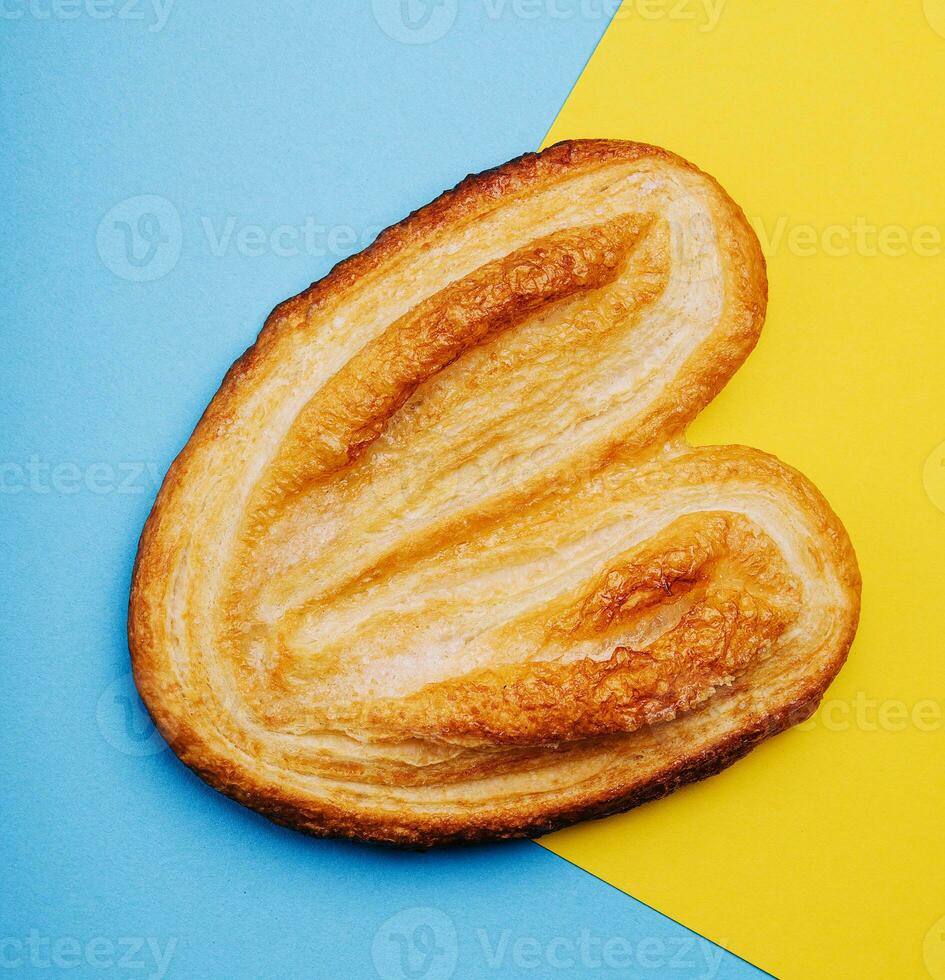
x=438 y=564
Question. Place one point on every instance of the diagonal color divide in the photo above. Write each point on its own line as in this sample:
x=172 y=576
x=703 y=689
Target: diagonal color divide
x=280 y=143
x=820 y=855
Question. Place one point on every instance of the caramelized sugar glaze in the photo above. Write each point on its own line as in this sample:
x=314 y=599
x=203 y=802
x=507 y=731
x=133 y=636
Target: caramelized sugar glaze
x=438 y=562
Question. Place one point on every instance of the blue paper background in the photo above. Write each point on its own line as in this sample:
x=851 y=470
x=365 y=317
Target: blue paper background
x=168 y=181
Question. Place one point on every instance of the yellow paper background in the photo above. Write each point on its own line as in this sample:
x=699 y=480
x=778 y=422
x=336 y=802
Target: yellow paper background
x=821 y=855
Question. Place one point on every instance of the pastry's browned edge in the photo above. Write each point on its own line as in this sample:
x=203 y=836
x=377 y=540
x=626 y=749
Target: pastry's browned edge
x=149 y=661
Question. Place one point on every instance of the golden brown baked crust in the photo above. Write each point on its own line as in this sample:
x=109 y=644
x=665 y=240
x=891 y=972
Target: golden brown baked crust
x=437 y=563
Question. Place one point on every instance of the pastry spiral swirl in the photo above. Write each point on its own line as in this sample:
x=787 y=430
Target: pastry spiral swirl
x=438 y=563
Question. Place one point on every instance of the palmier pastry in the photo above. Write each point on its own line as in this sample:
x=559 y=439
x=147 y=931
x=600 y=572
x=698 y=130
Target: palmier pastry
x=438 y=564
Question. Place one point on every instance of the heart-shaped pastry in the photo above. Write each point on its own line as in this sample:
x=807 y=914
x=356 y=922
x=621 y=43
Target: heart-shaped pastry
x=438 y=563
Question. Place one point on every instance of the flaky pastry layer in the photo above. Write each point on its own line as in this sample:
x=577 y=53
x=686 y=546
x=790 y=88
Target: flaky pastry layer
x=438 y=564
